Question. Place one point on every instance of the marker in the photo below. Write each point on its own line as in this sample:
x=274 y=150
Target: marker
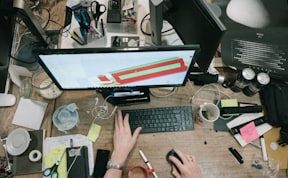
x=236 y=154
x=147 y=163
x=263 y=147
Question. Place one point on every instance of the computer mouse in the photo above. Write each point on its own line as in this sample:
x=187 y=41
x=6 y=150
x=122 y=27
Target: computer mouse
x=173 y=153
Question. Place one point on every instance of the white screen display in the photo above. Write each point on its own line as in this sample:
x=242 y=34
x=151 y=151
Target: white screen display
x=118 y=68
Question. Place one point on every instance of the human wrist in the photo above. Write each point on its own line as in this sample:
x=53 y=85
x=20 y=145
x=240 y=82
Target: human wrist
x=118 y=158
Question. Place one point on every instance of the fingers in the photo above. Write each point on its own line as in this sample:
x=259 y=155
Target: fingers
x=174 y=172
x=175 y=161
x=136 y=133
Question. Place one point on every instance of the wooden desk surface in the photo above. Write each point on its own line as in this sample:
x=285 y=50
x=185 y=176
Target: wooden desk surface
x=209 y=147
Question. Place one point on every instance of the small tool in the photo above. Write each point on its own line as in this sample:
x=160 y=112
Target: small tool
x=52 y=171
x=97 y=10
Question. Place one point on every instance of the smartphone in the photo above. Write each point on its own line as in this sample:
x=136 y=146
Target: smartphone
x=101 y=160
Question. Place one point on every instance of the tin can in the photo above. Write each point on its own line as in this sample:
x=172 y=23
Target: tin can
x=243 y=79
x=257 y=84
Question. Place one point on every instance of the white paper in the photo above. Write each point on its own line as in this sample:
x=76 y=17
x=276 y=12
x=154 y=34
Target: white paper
x=77 y=140
x=29 y=113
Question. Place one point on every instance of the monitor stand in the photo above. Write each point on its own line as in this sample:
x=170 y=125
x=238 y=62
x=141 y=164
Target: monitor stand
x=126 y=96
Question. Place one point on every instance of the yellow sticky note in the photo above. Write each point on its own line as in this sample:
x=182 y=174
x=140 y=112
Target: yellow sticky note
x=51 y=157
x=94 y=132
x=229 y=103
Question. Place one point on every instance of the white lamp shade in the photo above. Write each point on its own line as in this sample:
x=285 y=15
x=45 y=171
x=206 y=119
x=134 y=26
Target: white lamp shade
x=251 y=13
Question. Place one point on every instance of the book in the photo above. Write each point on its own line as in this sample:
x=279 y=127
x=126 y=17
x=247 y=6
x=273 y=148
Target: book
x=77 y=162
x=22 y=164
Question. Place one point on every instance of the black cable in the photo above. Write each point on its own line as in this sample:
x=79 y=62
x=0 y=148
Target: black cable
x=22 y=60
x=141 y=24
x=49 y=16
x=149 y=34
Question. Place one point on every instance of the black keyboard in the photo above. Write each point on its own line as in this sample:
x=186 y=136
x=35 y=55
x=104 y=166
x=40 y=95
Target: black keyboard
x=164 y=119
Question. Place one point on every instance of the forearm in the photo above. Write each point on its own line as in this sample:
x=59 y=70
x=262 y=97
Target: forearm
x=113 y=173
x=118 y=159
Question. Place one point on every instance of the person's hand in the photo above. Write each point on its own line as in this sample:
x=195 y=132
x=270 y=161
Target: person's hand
x=188 y=169
x=123 y=139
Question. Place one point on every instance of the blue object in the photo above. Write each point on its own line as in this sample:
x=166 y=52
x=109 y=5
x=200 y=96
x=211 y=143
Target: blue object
x=82 y=17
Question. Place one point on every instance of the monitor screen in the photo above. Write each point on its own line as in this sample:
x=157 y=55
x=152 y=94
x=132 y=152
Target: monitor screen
x=100 y=68
x=196 y=23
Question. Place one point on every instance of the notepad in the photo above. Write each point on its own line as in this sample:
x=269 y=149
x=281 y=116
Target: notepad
x=245 y=118
x=29 y=113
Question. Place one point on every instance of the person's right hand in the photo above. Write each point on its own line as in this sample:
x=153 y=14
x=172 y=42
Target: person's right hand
x=188 y=169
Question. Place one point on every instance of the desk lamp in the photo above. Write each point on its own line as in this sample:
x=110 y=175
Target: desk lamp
x=251 y=13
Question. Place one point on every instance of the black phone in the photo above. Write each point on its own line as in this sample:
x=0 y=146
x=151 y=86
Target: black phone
x=101 y=160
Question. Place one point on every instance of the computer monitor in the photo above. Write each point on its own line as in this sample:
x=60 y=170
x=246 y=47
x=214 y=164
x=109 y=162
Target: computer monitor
x=7 y=33
x=195 y=23
x=100 y=68
x=111 y=70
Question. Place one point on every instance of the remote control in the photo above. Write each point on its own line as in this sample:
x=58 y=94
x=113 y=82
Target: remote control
x=7 y=100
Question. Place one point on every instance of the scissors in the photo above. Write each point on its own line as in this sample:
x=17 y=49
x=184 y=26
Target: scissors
x=97 y=10
x=52 y=171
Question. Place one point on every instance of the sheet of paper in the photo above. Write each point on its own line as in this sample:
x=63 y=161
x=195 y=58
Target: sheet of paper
x=51 y=143
x=24 y=117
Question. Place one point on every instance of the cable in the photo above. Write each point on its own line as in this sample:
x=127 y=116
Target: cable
x=74 y=160
x=166 y=95
x=149 y=34
x=102 y=110
x=219 y=93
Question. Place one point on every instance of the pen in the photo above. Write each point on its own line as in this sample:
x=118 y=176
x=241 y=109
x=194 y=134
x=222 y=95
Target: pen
x=147 y=163
x=263 y=147
x=102 y=26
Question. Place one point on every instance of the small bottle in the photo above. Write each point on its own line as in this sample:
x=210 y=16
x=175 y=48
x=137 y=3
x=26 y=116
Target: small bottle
x=257 y=84
x=243 y=79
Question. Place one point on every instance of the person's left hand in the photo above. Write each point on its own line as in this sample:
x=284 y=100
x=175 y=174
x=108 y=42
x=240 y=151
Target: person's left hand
x=124 y=140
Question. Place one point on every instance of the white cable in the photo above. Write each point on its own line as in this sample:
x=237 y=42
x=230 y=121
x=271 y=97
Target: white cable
x=203 y=88
x=166 y=95
x=102 y=110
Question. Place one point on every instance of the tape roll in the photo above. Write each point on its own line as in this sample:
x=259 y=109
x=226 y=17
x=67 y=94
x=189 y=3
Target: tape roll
x=35 y=155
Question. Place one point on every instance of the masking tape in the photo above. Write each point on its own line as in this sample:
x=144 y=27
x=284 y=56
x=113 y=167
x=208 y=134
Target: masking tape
x=35 y=155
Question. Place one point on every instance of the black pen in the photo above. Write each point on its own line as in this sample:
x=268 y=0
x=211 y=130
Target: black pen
x=102 y=26
x=237 y=155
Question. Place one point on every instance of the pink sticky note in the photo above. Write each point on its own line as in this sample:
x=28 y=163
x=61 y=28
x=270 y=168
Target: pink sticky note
x=249 y=132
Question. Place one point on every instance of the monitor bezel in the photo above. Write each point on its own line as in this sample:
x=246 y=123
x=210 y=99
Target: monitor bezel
x=38 y=52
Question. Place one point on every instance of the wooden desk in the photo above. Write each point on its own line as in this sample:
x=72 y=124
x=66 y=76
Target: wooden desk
x=209 y=147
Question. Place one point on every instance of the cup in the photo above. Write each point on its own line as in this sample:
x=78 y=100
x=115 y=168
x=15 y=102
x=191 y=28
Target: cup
x=43 y=84
x=272 y=168
x=208 y=113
